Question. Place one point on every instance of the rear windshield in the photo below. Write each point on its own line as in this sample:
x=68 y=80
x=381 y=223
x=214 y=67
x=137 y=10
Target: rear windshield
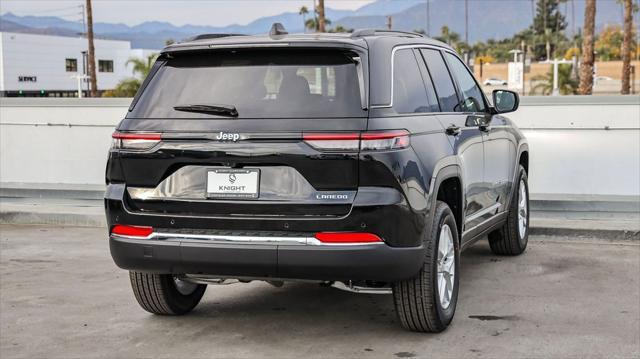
x=258 y=83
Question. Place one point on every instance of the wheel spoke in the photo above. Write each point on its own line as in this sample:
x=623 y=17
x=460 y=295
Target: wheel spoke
x=446 y=266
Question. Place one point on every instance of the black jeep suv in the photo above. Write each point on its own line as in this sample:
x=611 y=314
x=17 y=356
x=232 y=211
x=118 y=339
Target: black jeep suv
x=366 y=161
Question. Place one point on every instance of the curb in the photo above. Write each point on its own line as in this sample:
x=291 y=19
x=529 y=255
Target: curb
x=580 y=233
x=59 y=219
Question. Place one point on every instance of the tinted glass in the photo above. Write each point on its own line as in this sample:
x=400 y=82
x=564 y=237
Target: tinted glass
x=441 y=79
x=473 y=99
x=428 y=85
x=409 y=94
x=259 y=83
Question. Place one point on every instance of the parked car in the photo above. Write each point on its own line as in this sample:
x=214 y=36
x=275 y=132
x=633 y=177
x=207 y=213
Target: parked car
x=367 y=161
x=493 y=81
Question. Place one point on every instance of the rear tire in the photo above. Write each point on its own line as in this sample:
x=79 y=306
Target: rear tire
x=423 y=303
x=512 y=238
x=165 y=294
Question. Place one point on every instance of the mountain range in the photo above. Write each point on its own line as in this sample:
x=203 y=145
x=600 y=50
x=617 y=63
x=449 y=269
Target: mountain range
x=487 y=19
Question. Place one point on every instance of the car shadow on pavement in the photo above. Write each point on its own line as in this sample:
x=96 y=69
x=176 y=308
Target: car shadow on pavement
x=306 y=307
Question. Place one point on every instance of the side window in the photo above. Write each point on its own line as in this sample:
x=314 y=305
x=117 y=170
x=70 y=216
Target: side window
x=409 y=95
x=473 y=99
x=441 y=79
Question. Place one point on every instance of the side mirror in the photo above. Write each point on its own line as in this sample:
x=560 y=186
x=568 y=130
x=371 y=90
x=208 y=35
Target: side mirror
x=505 y=101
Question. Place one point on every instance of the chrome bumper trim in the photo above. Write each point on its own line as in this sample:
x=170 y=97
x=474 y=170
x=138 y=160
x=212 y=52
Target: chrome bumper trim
x=248 y=240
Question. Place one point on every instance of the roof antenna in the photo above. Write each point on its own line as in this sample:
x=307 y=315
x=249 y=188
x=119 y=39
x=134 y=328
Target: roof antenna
x=277 y=29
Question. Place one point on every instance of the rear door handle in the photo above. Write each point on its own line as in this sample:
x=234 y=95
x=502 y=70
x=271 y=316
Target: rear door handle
x=453 y=130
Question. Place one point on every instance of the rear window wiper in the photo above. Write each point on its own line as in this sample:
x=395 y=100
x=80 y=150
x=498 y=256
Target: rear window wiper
x=220 y=110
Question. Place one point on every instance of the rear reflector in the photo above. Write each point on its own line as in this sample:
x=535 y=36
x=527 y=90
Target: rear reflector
x=347 y=237
x=132 y=231
x=369 y=141
x=134 y=141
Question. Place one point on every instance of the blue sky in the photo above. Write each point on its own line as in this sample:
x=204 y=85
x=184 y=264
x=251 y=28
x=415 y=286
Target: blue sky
x=177 y=12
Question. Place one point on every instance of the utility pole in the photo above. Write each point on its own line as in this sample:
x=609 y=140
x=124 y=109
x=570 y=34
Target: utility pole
x=524 y=64
x=92 y=55
x=389 y=22
x=428 y=19
x=321 y=16
x=466 y=22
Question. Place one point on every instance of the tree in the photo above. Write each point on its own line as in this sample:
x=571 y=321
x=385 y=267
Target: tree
x=610 y=42
x=566 y=83
x=304 y=11
x=311 y=24
x=586 y=64
x=142 y=67
x=626 y=48
x=548 y=25
x=128 y=87
x=448 y=36
x=125 y=88
x=340 y=28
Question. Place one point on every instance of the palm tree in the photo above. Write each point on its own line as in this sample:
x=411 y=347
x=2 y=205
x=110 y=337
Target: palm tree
x=586 y=64
x=311 y=24
x=626 y=47
x=128 y=87
x=142 y=66
x=322 y=21
x=566 y=83
x=304 y=11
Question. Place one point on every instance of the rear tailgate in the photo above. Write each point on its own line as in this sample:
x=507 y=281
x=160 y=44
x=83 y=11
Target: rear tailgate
x=292 y=149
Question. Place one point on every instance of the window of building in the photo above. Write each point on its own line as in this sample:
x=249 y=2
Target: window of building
x=71 y=65
x=105 y=65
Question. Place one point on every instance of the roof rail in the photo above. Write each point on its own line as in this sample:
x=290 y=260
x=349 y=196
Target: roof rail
x=210 y=36
x=372 y=32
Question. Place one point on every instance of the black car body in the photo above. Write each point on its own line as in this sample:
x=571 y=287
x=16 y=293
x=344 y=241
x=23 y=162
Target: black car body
x=306 y=157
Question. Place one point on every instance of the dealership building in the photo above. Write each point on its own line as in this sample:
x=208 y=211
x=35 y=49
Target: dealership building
x=50 y=66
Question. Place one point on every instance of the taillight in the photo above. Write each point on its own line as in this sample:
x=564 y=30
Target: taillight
x=134 y=141
x=384 y=140
x=366 y=141
x=132 y=231
x=347 y=237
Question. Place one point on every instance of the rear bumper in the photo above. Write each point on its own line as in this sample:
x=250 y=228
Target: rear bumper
x=383 y=212
x=259 y=259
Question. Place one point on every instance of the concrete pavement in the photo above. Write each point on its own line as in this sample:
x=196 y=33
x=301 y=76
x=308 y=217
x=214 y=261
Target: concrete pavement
x=61 y=296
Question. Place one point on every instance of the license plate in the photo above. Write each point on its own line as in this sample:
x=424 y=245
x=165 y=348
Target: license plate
x=233 y=183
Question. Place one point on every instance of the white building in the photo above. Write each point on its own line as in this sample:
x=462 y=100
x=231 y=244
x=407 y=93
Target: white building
x=44 y=65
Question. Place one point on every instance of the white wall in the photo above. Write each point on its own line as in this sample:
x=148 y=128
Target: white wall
x=66 y=140
x=44 y=56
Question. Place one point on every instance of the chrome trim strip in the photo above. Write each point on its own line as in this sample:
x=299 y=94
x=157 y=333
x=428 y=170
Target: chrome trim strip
x=255 y=240
x=393 y=59
x=481 y=213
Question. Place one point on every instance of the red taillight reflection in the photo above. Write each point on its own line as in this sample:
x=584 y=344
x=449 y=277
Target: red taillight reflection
x=347 y=237
x=131 y=231
x=136 y=136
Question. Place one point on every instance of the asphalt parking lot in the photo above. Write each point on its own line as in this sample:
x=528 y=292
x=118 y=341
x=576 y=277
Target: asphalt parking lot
x=61 y=296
